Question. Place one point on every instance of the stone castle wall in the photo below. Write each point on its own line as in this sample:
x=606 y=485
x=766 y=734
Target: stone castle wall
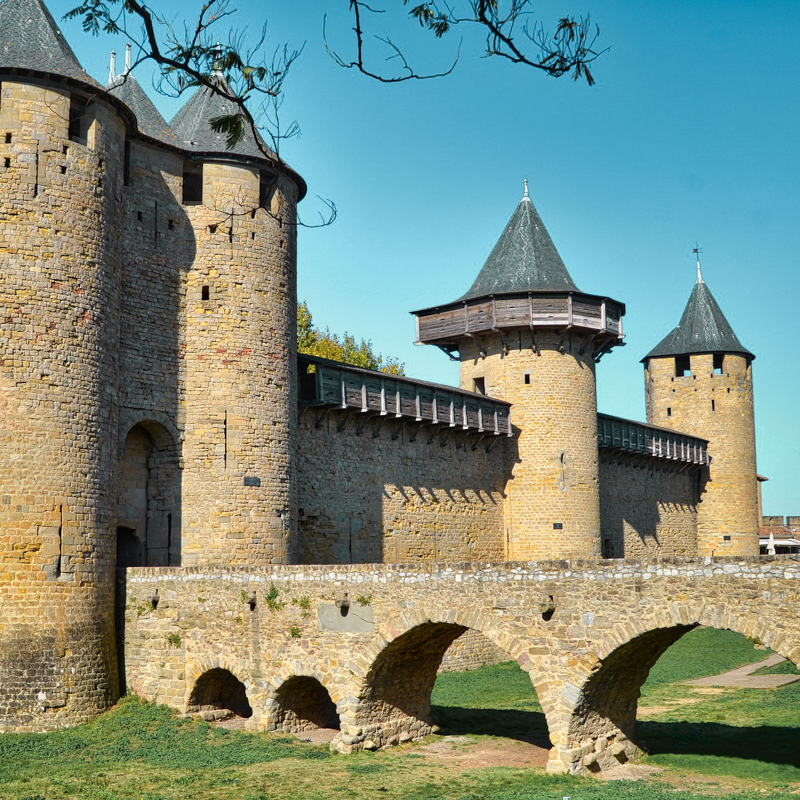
x=396 y=497
x=648 y=509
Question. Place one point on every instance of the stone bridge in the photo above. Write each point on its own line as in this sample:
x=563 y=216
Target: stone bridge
x=357 y=647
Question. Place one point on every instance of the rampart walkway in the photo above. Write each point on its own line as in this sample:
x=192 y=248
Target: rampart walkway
x=359 y=645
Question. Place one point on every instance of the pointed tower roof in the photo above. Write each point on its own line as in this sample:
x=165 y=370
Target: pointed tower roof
x=702 y=329
x=523 y=260
x=192 y=125
x=30 y=39
x=149 y=121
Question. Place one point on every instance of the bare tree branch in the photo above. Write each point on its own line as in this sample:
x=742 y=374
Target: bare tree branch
x=569 y=50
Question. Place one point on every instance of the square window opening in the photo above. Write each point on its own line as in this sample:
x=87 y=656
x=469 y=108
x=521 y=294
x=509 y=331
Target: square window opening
x=479 y=385
x=205 y=293
x=683 y=367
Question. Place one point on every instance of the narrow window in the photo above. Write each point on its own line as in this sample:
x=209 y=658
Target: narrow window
x=205 y=293
x=63 y=170
x=8 y=138
x=669 y=411
x=171 y=224
x=126 y=164
x=77 y=123
x=527 y=379
x=192 y=183
x=7 y=162
x=138 y=216
x=479 y=385
x=718 y=361
x=713 y=407
x=682 y=366
x=266 y=186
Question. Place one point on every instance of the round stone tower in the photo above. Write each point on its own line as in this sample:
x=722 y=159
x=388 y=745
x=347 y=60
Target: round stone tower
x=525 y=333
x=239 y=382
x=61 y=145
x=698 y=380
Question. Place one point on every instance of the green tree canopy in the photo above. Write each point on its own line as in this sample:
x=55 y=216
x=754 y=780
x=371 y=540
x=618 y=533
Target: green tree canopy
x=316 y=342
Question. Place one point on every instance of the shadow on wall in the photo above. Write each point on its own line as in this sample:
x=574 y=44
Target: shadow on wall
x=398 y=492
x=302 y=703
x=159 y=249
x=647 y=512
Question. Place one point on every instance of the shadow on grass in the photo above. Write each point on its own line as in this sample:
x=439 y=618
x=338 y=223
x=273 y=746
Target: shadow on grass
x=770 y=744
x=524 y=726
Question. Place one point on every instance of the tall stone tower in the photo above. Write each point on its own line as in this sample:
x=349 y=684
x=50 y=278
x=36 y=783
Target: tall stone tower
x=61 y=173
x=698 y=380
x=239 y=382
x=525 y=333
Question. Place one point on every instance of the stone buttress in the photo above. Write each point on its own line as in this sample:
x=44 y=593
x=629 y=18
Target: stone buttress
x=698 y=379
x=524 y=333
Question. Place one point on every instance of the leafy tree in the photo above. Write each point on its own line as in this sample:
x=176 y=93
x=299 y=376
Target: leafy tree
x=316 y=342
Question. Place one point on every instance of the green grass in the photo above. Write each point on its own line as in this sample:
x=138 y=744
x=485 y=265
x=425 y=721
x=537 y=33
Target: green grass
x=701 y=652
x=139 y=751
x=784 y=668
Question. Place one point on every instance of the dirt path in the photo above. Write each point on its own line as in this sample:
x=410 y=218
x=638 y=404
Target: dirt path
x=743 y=677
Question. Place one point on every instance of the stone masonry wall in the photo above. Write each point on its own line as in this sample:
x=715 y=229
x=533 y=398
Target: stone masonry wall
x=60 y=209
x=553 y=506
x=647 y=510
x=471 y=650
x=377 y=656
x=395 y=497
x=239 y=374
x=718 y=407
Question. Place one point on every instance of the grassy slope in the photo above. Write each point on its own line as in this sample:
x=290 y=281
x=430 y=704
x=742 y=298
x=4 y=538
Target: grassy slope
x=143 y=752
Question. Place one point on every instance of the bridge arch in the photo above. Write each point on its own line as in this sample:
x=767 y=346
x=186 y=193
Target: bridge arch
x=394 y=692
x=601 y=704
x=219 y=694
x=301 y=702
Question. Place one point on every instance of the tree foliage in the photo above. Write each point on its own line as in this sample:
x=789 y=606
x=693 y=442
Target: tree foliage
x=316 y=342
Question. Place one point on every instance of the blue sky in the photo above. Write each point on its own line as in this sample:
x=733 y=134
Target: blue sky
x=691 y=133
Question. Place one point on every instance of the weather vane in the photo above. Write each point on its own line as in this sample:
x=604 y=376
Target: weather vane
x=697 y=251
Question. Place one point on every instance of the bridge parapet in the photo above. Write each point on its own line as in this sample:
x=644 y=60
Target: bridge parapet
x=370 y=637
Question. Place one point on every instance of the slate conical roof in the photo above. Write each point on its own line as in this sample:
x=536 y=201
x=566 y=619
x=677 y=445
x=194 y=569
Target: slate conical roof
x=126 y=88
x=31 y=39
x=523 y=260
x=702 y=329
x=192 y=125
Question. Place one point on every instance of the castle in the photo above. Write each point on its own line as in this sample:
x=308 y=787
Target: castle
x=155 y=412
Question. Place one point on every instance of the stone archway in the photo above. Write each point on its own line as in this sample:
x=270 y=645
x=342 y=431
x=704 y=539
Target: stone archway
x=394 y=696
x=302 y=703
x=148 y=498
x=601 y=732
x=219 y=694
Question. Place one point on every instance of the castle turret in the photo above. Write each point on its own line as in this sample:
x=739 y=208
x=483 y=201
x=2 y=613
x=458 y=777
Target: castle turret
x=61 y=171
x=525 y=333
x=239 y=349
x=698 y=380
